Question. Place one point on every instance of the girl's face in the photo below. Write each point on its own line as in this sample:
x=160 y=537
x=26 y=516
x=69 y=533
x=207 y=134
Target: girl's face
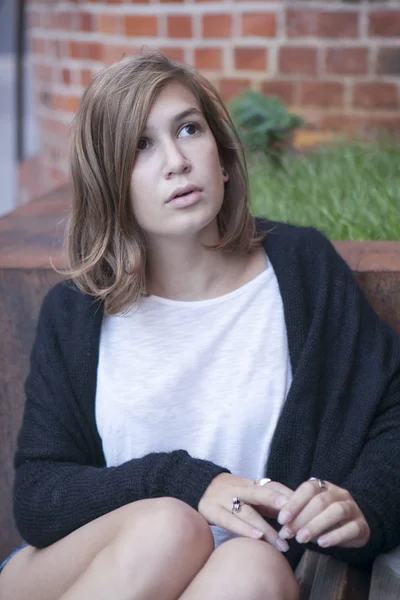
x=177 y=149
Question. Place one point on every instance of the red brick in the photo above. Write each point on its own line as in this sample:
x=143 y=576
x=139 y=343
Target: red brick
x=137 y=25
x=65 y=103
x=88 y=50
x=208 y=58
x=54 y=48
x=251 y=59
x=385 y=23
x=300 y=22
x=279 y=88
x=337 y=24
x=376 y=95
x=33 y=19
x=259 y=24
x=354 y=123
x=174 y=53
x=389 y=61
x=86 y=22
x=53 y=21
x=66 y=76
x=230 y=87
x=349 y=123
x=37 y=46
x=321 y=93
x=217 y=26
x=55 y=127
x=60 y=20
x=57 y=176
x=298 y=59
x=179 y=26
x=108 y=23
x=346 y=61
x=114 y=52
x=86 y=76
x=46 y=73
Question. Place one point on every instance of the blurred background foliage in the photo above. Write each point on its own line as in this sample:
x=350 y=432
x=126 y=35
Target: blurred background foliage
x=350 y=188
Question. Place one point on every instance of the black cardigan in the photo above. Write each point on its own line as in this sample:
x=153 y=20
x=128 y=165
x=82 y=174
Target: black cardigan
x=340 y=422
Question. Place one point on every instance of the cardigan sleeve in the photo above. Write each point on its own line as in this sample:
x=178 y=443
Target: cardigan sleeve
x=371 y=349
x=61 y=482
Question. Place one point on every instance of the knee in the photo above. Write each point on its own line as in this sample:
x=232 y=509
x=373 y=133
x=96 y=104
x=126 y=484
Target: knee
x=256 y=570
x=184 y=527
x=166 y=528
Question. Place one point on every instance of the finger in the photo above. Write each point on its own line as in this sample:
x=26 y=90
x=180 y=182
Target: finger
x=248 y=523
x=251 y=516
x=354 y=534
x=297 y=502
x=332 y=516
x=270 y=498
x=279 y=488
x=283 y=495
x=316 y=507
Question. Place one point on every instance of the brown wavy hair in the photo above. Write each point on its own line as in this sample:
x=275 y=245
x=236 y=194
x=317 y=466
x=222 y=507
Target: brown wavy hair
x=105 y=246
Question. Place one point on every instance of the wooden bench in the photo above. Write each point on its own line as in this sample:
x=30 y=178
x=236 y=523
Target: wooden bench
x=32 y=234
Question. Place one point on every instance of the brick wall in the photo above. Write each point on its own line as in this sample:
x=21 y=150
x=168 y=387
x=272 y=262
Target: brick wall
x=336 y=62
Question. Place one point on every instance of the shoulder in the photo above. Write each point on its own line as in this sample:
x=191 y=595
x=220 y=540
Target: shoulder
x=279 y=233
x=285 y=243
x=65 y=302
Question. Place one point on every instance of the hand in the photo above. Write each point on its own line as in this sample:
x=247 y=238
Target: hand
x=329 y=517
x=258 y=501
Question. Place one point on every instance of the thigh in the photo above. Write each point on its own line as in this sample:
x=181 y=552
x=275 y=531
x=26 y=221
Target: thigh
x=45 y=574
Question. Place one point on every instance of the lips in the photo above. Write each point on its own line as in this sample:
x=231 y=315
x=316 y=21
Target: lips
x=181 y=191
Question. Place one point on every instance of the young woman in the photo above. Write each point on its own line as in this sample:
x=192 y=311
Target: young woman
x=209 y=395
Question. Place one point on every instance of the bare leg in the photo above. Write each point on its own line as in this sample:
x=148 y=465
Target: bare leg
x=244 y=569
x=147 y=549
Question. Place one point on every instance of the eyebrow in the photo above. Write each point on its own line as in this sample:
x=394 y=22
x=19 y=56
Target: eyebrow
x=188 y=112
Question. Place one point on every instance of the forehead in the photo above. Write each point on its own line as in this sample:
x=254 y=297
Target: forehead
x=173 y=100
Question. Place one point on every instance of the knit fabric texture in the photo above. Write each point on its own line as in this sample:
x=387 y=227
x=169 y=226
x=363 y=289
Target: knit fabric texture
x=340 y=422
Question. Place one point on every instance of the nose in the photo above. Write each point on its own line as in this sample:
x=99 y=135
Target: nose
x=175 y=162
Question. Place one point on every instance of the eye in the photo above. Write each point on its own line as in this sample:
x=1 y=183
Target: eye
x=194 y=127
x=141 y=144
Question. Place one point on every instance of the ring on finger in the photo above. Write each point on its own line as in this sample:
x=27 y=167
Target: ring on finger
x=236 y=505
x=321 y=483
x=262 y=481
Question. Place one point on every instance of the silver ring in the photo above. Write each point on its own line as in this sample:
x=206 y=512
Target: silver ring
x=262 y=481
x=236 y=504
x=321 y=483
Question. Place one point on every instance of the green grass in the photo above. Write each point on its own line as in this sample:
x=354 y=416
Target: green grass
x=350 y=191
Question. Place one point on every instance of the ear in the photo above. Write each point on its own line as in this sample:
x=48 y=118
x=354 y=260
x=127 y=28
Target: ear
x=225 y=174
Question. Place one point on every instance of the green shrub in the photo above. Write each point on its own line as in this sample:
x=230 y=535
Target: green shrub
x=263 y=122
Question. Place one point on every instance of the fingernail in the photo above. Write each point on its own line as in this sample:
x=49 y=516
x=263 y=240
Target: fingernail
x=303 y=536
x=285 y=534
x=280 y=501
x=284 y=517
x=281 y=545
x=323 y=541
x=256 y=533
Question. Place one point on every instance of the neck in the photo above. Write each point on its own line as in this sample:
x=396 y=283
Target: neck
x=186 y=270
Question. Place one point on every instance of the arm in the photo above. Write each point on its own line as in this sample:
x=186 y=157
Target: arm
x=374 y=482
x=367 y=382
x=61 y=482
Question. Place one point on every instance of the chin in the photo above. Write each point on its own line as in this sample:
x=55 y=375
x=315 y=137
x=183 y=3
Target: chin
x=195 y=222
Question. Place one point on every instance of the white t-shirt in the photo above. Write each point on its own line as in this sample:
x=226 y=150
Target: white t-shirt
x=208 y=376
